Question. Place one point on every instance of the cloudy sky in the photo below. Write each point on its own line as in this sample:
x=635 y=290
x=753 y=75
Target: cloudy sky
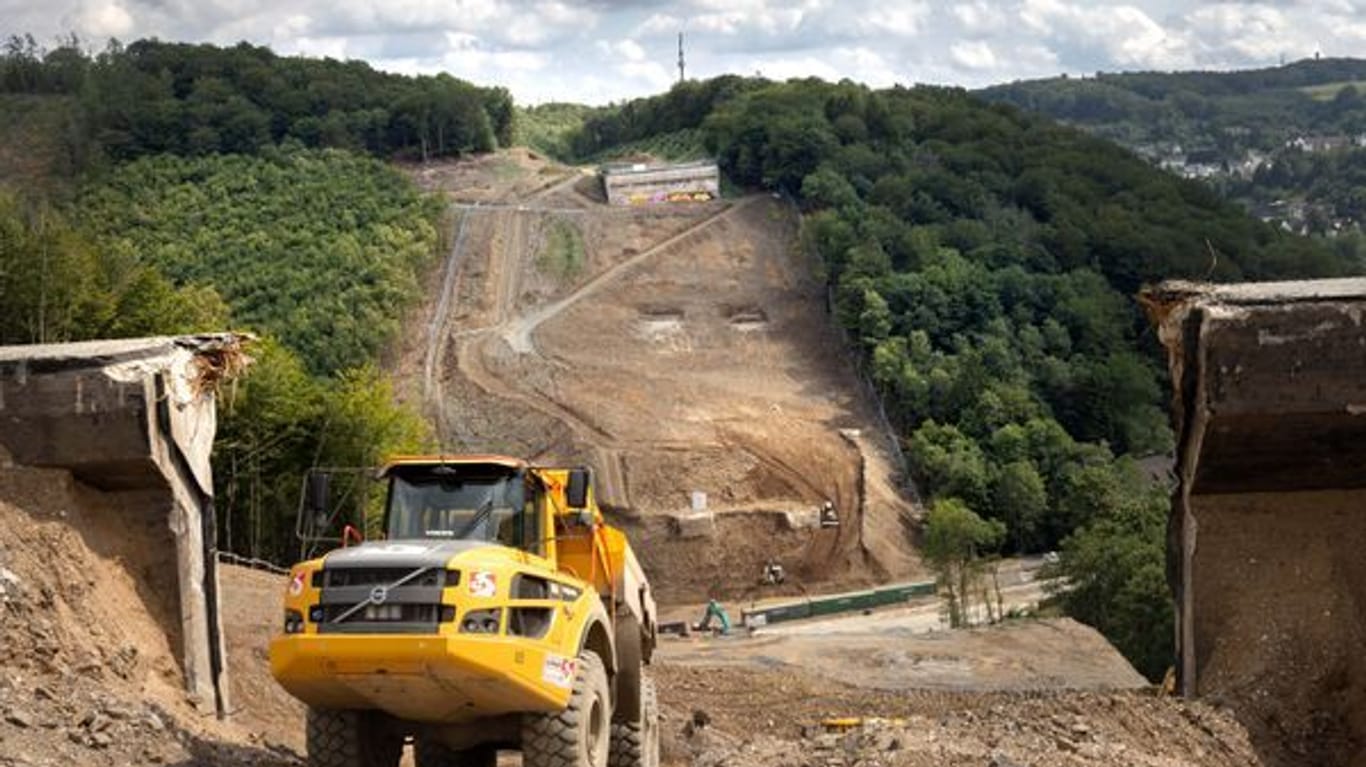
x=597 y=51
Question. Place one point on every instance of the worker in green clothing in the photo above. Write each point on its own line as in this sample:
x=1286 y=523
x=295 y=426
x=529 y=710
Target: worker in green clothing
x=714 y=610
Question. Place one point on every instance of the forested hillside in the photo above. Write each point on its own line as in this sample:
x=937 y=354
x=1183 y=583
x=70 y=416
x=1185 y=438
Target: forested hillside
x=172 y=188
x=58 y=283
x=317 y=247
x=150 y=97
x=985 y=262
x=1223 y=111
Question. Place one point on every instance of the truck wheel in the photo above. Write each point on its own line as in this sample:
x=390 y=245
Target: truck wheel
x=579 y=735
x=433 y=753
x=636 y=744
x=350 y=739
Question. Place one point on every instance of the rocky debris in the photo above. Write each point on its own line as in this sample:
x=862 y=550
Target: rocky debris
x=92 y=726
x=10 y=585
x=782 y=718
x=77 y=688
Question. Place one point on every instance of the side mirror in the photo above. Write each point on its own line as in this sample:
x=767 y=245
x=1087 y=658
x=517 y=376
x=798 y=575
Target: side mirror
x=317 y=496
x=576 y=490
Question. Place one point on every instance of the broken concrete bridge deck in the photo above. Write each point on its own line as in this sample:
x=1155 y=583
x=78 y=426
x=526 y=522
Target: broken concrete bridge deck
x=136 y=415
x=1266 y=532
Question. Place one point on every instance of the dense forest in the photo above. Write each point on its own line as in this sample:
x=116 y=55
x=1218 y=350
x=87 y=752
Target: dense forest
x=151 y=97
x=984 y=261
x=315 y=246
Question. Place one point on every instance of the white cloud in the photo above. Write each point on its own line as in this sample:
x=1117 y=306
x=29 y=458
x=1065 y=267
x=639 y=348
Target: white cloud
x=334 y=47
x=659 y=23
x=787 y=68
x=1123 y=34
x=901 y=20
x=631 y=50
x=1255 y=33
x=973 y=54
x=600 y=50
x=103 y=18
x=980 y=16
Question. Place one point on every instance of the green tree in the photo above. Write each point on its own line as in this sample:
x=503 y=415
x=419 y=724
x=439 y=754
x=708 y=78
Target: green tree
x=1020 y=500
x=948 y=463
x=1114 y=568
x=57 y=284
x=278 y=422
x=955 y=541
x=827 y=188
x=320 y=248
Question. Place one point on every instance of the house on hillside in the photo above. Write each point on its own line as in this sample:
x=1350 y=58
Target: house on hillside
x=1313 y=144
x=1247 y=167
x=641 y=184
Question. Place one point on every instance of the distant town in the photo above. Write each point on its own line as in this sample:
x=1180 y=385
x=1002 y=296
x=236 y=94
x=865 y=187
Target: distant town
x=1218 y=166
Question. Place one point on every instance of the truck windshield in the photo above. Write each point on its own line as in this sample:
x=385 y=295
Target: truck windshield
x=481 y=508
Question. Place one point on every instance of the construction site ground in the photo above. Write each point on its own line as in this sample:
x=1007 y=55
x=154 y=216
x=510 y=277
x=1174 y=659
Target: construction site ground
x=678 y=350
x=80 y=688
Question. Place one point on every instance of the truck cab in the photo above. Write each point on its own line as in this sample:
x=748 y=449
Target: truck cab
x=497 y=602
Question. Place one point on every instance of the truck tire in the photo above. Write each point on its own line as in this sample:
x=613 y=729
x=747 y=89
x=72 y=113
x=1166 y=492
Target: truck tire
x=636 y=744
x=580 y=735
x=350 y=739
x=434 y=753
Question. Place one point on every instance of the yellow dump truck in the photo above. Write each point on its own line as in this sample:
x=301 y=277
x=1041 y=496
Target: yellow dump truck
x=499 y=611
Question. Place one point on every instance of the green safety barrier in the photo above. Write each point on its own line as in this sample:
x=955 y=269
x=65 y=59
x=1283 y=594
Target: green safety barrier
x=904 y=592
x=838 y=603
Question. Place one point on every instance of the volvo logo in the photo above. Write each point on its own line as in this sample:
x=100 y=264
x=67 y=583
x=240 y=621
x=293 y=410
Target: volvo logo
x=378 y=594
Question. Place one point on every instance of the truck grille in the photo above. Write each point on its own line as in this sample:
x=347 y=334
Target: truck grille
x=381 y=576
x=364 y=600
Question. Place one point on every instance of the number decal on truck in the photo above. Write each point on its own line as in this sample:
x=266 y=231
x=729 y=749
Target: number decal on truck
x=483 y=584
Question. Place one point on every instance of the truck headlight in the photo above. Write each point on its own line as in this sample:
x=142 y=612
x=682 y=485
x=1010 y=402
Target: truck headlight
x=294 y=622
x=482 y=621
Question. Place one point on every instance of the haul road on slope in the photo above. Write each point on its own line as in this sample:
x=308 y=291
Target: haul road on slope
x=500 y=613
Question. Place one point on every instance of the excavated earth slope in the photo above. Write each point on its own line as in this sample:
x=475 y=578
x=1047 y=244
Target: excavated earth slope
x=677 y=350
x=86 y=630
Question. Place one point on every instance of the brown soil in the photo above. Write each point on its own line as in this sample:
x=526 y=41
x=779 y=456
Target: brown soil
x=1026 y=693
x=671 y=551
x=756 y=718
x=1004 y=695
x=676 y=350
x=489 y=178
x=251 y=599
x=87 y=621
x=1019 y=656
